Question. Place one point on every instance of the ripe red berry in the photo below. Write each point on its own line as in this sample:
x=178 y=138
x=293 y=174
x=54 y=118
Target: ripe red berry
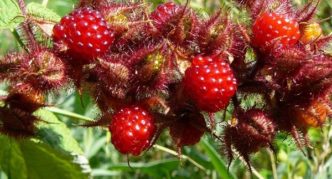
x=132 y=130
x=271 y=29
x=85 y=32
x=210 y=83
x=163 y=14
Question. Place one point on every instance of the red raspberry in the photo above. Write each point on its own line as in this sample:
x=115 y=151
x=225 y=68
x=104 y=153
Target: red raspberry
x=85 y=32
x=210 y=83
x=132 y=129
x=271 y=28
x=163 y=14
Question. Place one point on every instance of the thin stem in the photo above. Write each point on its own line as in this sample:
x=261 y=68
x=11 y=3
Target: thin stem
x=68 y=114
x=253 y=169
x=23 y=8
x=172 y=152
x=273 y=164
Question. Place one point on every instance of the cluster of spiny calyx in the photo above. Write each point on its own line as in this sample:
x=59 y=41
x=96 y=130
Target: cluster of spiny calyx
x=16 y=114
x=149 y=71
x=248 y=132
x=142 y=68
x=30 y=75
x=291 y=72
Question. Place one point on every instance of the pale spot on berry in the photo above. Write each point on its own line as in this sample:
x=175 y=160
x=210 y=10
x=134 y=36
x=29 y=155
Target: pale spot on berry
x=85 y=24
x=95 y=27
x=106 y=32
x=78 y=33
x=130 y=134
x=213 y=80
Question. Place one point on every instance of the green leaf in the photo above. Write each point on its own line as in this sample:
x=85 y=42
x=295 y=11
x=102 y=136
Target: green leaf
x=11 y=159
x=38 y=11
x=23 y=159
x=42 y=161
x=10 y=14
x=55 y=133
x=216 y=160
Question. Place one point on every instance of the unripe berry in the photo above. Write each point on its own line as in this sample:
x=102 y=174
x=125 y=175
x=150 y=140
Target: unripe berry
x=312 y=116
x=310 y=32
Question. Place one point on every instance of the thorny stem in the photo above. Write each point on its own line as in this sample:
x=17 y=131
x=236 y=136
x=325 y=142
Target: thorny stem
x=26 y=26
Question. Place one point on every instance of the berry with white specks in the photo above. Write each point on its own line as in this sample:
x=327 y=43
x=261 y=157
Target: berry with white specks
x=274 y=30
x=132 y=130
x=84 y=32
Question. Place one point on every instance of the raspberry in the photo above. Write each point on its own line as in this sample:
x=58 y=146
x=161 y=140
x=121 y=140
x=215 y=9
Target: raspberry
x=188 y=129
x=132 y=130
x=271 y=28
x=85 y=32
x=163 y=14
x=210 y=83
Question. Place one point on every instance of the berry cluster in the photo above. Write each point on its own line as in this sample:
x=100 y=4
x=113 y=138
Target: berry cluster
x=150 y=71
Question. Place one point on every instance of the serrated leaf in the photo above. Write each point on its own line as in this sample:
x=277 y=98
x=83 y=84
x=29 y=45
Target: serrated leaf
x=23 y=159
x=40 y=12
x=55 y=133
x=10 y=14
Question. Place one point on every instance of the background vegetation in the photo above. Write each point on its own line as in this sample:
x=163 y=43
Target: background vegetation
x=63 y=149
